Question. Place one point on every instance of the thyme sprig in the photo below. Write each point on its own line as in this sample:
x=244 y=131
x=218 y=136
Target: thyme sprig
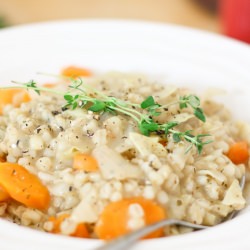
x=192 y=101
x=80 y=95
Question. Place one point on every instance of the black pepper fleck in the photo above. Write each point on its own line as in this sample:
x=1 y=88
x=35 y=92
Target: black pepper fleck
x=56 y=112
x=64 y=108
x=38 y=130
x=89 y=133
x=160 y=132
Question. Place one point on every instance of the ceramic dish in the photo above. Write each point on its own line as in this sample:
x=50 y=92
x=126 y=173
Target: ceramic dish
x=173 y=54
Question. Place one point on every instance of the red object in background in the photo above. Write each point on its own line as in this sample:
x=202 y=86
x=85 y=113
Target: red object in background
x=235 y=18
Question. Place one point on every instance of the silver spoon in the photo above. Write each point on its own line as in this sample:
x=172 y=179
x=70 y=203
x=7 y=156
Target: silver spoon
x=123 y=242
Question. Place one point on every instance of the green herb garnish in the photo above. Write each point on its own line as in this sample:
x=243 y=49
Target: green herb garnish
x=32 y=85
x=194 y=102
x=82 y=96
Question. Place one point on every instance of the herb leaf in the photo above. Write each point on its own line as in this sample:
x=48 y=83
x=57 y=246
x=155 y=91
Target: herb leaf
x=68 y=97
x=146 y=127
x=183 y=105
x=32 y=85
x=169 y=125
x=198 y=112
x=148 y=102
x=176 y=137
x=97 y=106
x=153 y=110
x=193 y=101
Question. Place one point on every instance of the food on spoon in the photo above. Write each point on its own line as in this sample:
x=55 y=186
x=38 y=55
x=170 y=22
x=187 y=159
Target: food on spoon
x=121 y=217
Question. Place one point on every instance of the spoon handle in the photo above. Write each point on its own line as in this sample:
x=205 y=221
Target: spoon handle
x=123 y=242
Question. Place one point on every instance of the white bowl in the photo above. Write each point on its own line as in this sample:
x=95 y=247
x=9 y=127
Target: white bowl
x=174 y=54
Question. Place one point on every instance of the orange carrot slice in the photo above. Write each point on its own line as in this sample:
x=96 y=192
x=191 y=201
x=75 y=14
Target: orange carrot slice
x=238 y=152
x=3 y=193
x=85 y=162
x=113 y=221
x=23 y=186
x=81 y=230
x=74 y=72
x=49 y=85
x=4 y=196
x=13 y=96
x=20 y=97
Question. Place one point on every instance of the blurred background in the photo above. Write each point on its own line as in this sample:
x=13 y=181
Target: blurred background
x=229 y=17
